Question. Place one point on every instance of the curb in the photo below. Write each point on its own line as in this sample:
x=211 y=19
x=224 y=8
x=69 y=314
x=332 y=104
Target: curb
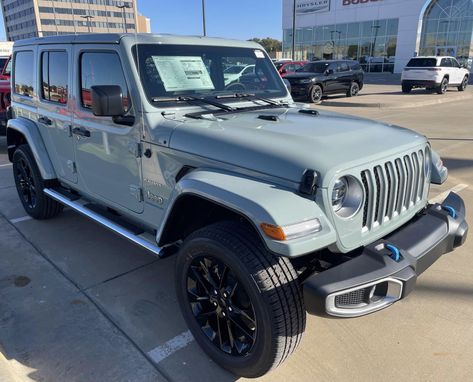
x=407 y=105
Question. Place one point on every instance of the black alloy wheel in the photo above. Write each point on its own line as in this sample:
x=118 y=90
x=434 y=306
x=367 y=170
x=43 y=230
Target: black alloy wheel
x=30 y=186
x=243 y=305
x=221 y=306
x=315 y=94
x=27 y=188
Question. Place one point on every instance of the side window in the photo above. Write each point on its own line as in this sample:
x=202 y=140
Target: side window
x=249 y=70
x=101 y=68
x=54 y=81
x=445 y=63
x=23 y=73
x=455 y=63
x=344 y=67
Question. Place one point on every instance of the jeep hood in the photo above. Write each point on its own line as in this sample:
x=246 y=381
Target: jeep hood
x=295 y=142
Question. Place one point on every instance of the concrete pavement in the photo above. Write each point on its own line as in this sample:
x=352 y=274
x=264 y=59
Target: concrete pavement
x=78 y=303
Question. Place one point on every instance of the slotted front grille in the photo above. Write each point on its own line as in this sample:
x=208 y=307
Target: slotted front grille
x=392 y=188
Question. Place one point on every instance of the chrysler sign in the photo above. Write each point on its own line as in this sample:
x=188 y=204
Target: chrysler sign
x=312 y=6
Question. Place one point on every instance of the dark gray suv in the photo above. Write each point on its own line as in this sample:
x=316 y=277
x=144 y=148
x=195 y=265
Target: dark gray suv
x=317 y=79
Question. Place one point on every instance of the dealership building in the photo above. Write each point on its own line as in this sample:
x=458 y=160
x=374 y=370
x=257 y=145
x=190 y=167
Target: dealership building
x=381 y=34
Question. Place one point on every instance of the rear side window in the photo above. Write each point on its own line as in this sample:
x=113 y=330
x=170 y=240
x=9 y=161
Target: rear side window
x=446 y=63
x=54 y=76
x=23 y=73
x=101 y=68
x=343 y=67
x=355 y=65
x=422 y=62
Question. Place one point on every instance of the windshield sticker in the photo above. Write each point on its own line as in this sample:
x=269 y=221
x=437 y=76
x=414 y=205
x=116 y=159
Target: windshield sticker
x=259 y=54
x=183 y=73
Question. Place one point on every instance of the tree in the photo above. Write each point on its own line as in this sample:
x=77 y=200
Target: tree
x=271 y=45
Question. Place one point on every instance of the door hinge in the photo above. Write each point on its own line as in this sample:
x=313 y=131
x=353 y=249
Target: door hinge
x=72 y=166
x=137 y=192
x=136 y=149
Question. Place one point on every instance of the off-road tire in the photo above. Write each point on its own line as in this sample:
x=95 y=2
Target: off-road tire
x=406 y=89
x=442 y=88
x=463 y=85
x=316 y=93
x=44 y=207
x=354 y=89
x=269 y=281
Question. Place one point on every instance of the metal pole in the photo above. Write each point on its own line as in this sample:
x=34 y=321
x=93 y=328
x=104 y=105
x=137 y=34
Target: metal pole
x=203 y=18
x=122 y=7
x=294 y=31
x=88 y=17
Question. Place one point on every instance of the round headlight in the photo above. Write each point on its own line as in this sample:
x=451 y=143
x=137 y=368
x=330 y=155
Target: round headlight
x=347 y=196
x=339 y=193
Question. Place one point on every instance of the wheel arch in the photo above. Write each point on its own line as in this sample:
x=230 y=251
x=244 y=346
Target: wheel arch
x=208 y=196
x=22 y=131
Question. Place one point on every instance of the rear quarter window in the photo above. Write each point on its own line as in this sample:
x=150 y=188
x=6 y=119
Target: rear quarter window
x=422 y=62
x=23 y=73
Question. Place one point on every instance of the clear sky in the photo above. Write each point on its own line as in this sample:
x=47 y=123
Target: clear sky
x=241 y=19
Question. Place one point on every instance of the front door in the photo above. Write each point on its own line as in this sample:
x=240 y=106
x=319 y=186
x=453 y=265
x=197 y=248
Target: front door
x=54 y=116
x=107 y=154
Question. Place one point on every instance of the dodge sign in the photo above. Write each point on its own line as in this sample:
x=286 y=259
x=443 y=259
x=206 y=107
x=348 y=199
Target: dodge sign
x=311 y=6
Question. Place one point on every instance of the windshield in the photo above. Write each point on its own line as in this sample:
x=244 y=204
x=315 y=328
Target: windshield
x=314 y=67
x=422 y=62
x=200 y=71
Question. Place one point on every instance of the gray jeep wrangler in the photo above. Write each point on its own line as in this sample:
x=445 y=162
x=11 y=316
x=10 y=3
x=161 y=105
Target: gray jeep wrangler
x=271 y=209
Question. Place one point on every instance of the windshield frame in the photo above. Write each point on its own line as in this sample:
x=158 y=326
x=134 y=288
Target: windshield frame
x=280 y=90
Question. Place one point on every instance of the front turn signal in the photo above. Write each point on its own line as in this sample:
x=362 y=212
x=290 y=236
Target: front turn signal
x=292 y=231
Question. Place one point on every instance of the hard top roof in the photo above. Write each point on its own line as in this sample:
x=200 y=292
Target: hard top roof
x=143 y=38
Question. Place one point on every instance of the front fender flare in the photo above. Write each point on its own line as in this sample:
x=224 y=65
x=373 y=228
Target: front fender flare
x=33 y=137
x=259 y=202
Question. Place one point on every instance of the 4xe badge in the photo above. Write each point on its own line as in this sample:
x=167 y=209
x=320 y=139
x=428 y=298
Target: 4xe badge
x=354 y=2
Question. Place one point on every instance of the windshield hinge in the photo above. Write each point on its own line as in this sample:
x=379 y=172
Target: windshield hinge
x=136 y=149
x=136 y=192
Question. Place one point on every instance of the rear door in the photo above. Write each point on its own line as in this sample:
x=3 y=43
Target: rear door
x=54 y=114
x=107 y=152
x=457 y=72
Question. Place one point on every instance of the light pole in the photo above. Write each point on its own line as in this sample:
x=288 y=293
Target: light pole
x=204 y=29
x=123 y=7
x=294 y=31
x=88 y=17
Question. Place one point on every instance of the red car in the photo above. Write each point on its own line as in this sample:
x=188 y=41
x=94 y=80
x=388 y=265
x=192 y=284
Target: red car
x=5 y=96
x=288 y=67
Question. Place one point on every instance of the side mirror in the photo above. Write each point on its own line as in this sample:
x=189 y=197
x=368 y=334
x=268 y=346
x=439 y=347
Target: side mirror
x=107 y=101
x=283 y=71
x=328 y=72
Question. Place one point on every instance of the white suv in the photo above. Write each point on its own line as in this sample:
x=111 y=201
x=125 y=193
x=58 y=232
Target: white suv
x=434 y=73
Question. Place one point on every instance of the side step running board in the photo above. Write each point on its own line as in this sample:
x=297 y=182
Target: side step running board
x=79 y=207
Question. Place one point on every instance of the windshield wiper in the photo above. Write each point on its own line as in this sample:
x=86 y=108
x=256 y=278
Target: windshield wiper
x=193 y=99
x=250 y=96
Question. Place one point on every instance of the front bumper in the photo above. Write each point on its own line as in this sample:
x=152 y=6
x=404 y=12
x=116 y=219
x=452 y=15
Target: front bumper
x=386 y=271
x=300 y=90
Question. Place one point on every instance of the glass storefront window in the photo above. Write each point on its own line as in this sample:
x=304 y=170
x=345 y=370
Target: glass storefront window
x=372 y=43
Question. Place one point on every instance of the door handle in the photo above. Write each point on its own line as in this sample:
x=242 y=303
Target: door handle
x=81 y=131
x=45 y=120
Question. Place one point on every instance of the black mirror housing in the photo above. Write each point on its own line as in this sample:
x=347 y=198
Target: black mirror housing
x=107 y=101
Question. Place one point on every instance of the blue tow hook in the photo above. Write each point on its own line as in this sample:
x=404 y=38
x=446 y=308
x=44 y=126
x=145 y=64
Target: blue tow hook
x=395 y=253
x=451 y=211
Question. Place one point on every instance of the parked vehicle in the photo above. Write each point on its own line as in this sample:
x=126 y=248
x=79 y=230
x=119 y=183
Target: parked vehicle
x=284 y=68
x=434 y=73
x=233 y=73
x=317 y=79
x=271 y=210
x=5 y=96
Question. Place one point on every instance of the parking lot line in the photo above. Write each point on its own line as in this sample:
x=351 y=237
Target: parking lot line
x=22 y=219
x=170 y=347
x=5 y=165
x=439 y=198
